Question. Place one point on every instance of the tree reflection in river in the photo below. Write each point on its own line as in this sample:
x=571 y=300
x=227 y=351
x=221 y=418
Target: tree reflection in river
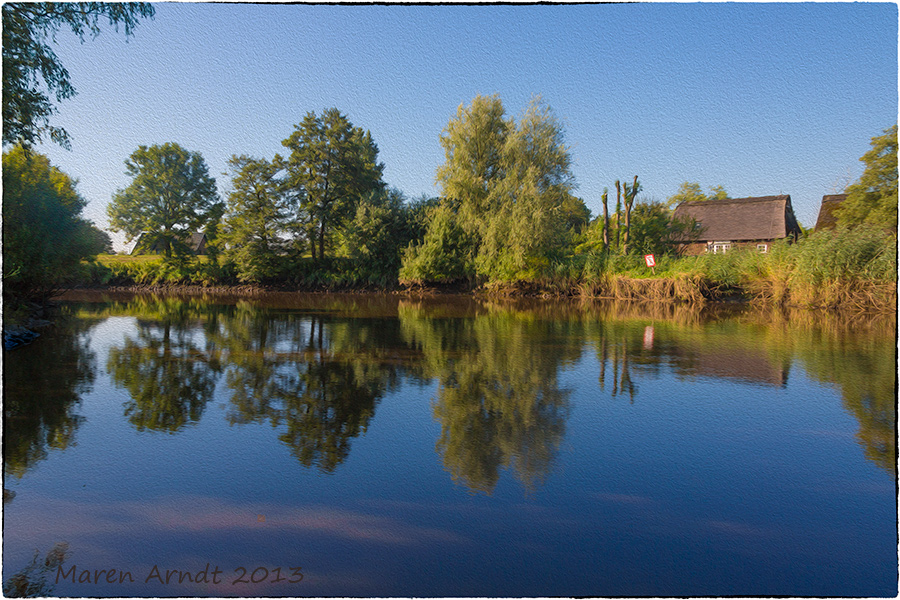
x=499 y=404
x=858 y=354
x=38 y=578
x=168 y=374
x=321 y=370
x=42 y=387
x=320 y=376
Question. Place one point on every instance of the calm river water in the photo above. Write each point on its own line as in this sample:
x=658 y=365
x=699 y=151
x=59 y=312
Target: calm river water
x=296 y=445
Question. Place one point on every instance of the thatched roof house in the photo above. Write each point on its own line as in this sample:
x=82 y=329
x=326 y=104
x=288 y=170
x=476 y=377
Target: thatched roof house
x=827 y=216
x=734 y=222
x=196 y=242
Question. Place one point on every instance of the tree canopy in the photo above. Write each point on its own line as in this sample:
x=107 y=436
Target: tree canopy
x=509 y=186
x=331 y=166
x=692 y=192
x=873 y=199
x=169 y=198
x=32 y=72
x=44 y=235
x=258 y=213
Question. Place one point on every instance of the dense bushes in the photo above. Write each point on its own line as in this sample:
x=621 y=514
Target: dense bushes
x=44 y=235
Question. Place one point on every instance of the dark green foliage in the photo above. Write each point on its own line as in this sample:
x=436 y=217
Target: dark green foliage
x=100 y=241
x=873 y=199
x=170 y=197
x=331 y=166
x=253 y=232
x=44 y=236
x=32 y=72
x=442 y=256
x=375 y=238
x=576 y=214
x=654 y=231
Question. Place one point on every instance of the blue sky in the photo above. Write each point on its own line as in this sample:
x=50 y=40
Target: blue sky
x=761 y=98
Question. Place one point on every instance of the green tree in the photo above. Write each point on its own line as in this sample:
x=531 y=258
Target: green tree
x=631 y=193
x=44 y=235
x=510 y=184
x=99 y=240
x=331 y=166
x=692 y=192
x=380 y=230
x=575 y=213
x=258 y=212
x=654 y=231
x=443 y=255
x=170 y=197
x=32 y=72
x=873 y=199
x=528 y=227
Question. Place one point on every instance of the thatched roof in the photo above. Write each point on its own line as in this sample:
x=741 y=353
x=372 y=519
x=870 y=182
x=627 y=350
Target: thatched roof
x=195 y=241
x=742 y=219
x=827 y=217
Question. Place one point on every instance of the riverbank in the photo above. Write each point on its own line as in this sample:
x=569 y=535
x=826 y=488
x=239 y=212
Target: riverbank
x=853 y=295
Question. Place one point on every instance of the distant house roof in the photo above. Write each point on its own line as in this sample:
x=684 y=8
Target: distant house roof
x=827 y=217
x=737 y=219
x=195 y=241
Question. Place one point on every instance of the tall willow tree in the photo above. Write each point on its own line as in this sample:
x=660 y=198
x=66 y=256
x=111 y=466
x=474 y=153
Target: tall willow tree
x=331 y=166
x=510 y=185
x=473 y=145
x=527 y=227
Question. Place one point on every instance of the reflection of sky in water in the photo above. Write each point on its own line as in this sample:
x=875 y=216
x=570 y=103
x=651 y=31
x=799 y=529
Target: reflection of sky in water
x=691 y=484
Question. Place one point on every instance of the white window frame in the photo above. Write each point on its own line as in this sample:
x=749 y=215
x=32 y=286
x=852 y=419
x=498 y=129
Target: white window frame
x=762 y=248
x=719 y=247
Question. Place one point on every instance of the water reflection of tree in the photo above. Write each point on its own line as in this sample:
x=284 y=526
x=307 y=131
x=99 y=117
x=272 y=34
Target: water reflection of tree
x=34 y=581
x=499 y=402
x=321 y=377
x=43 y=385
x=850 y=351
x=168 y=376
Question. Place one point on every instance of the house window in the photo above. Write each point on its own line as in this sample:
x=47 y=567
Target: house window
x=720 y=247
x=762 y=248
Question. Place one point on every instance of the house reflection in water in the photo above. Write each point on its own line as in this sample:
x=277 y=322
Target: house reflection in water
x=739 y=364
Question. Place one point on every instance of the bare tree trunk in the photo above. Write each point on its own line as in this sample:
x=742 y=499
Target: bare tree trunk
x=605 y=221
x=322 y=239
x=311 y=233
x=618 y=212
x=630 y=195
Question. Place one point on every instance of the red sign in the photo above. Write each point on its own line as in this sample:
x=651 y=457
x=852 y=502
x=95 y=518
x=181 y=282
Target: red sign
x=651 y=262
